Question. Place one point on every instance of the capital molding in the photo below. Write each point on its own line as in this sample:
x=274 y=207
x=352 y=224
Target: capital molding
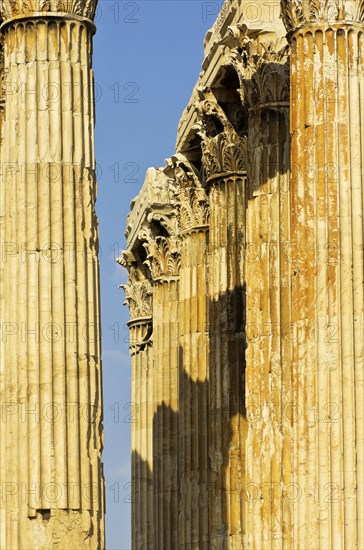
x=224 y=151
x=193 y=202
x=261 y=61
x=194 y=209
x=138 y=296
x=152 y=225
x=163 y=255
x=139 y=299
x=15 y=9
x=299 y=13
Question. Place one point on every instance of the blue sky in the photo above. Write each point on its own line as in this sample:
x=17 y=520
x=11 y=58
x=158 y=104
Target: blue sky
x=147 y=56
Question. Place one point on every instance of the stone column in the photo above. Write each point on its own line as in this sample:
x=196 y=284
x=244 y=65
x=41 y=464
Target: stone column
x=193 y=425
x=327 y=120
x=2 y=380
x=263 y=68
x=52 y=367
x=224 y=160
x=163 y=259
x=139 y=299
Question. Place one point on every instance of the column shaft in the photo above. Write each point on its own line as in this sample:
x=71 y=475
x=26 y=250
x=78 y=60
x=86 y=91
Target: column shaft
x=51 y=296
x=142 y=427
x=165 y=409
x=2 y=355
x=268 y=380
x=193 y=392
x=327 y=118
x=226 y=361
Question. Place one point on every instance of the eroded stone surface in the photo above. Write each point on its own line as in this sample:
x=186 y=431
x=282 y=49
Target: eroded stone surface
x=259 y=248
x=52 y=493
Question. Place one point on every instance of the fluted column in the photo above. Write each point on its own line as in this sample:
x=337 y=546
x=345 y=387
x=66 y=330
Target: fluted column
x=224 y=159
x=52 y=364
x=139 y=299
x=163 y=258
x=2 y=237
x=264 y=79
x=193 y=461
x=327 y=120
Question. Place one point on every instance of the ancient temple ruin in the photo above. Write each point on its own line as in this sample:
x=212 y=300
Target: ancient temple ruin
x=246 y=294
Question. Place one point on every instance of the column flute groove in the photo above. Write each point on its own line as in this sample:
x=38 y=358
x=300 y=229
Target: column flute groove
x=155 y=247
x=327 y=224
x=263 y=69
x=193 y=463
x=53 y=230
x=224 y=161
x=139 y=297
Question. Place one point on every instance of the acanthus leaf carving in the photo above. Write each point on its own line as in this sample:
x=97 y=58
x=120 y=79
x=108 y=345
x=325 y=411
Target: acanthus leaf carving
x=262 y=65
x=193 y=203
x=14 y=8
x=163 y=256
x=139 y=298
x=163 y=253
x=296 y=13
x=138 y=289
x=194 y=208
x=223 y=149
x=224 y=153
x=167 y=221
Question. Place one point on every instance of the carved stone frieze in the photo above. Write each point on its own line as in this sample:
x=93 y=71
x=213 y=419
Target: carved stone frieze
x=18 y=8
x=297 y=13
x=226 y=8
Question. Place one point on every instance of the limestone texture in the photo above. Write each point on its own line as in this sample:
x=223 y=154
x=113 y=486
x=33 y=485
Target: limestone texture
x=249 y=245
x=52 y=492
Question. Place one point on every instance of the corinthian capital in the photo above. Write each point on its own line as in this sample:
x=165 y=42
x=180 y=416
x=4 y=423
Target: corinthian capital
x=194 y=209
x=193 y=204
x=27 y=8
x=163 y=257
x=298 y=13
x=262 y=65
x=224 y=150
x=138 y=296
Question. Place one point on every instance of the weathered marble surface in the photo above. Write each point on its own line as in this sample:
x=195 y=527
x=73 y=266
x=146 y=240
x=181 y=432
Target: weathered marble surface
x=254 y=229
x=52 y=493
